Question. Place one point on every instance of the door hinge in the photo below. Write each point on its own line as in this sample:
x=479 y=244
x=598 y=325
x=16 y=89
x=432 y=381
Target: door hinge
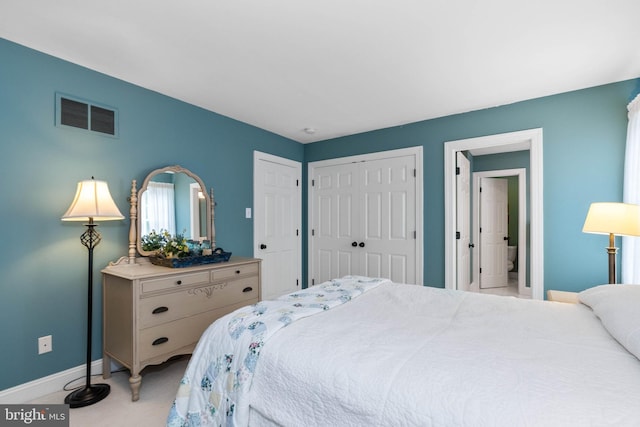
x=480 y=229
x=415 y=173
x=457 y=170
x=313 y=232
x=297 y=183
x=313 y=182
x=296 y=232
x=313 y=282
x=457 y=235
x=415 y=234
x=297 y=283
x=480 y=270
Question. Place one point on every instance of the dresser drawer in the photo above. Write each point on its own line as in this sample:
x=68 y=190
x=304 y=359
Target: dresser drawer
x=234 y=271
x=238 y=291
x=168 y=307
x=171 y=336
x=180 y=333
x=171 y=282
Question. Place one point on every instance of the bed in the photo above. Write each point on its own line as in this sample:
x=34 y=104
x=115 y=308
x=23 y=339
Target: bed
x=362 y=351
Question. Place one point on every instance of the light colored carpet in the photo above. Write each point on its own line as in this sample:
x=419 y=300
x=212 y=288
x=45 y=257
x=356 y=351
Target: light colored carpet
x=159 y=386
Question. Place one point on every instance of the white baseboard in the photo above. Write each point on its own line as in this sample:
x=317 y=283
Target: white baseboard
x=53 y=383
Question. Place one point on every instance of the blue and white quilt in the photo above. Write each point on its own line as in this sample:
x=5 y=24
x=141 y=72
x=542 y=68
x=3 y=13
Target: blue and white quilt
x=213 y=391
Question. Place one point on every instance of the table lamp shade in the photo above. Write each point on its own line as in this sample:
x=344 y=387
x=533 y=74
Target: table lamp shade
x=92 y=200
x=620 y=219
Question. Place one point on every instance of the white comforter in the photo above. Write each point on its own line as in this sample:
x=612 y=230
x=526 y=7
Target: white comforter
x=404 y=355
x=214 y=388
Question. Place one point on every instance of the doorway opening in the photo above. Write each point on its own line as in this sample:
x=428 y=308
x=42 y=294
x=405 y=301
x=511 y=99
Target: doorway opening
x=530 y=140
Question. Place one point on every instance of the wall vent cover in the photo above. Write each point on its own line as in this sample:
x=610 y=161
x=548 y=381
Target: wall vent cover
x=87 y=115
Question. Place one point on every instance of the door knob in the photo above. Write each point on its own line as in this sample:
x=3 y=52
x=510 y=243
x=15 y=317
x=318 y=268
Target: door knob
x=471 y=245
x=354 y=244
x=263 y=246
x=505 y=238
x=361 y=244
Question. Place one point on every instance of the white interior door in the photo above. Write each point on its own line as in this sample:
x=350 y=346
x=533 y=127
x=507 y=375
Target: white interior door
x=277 y=216
x=388 y=224
x=493 y=232
x=365 y=217
x=463 y=221
x=335 y=195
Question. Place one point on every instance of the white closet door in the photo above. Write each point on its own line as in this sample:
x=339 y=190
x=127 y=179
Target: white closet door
x=387 y=206
x=336 y=213
x=363 y=219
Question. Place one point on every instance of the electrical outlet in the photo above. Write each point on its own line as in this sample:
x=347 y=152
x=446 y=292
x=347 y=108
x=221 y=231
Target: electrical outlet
x=45 y=344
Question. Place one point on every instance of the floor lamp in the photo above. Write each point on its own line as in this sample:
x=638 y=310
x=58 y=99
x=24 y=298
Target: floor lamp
x=92 y=202
x=614 y=219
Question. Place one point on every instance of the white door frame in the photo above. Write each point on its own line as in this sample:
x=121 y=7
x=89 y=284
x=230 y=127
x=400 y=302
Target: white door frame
x=411 y=151
x=194 y=192
x=521 y=173
x=531 y=140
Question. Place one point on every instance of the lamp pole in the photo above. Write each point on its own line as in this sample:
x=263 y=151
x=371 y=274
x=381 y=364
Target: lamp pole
x=612 y=250
x=89 y=394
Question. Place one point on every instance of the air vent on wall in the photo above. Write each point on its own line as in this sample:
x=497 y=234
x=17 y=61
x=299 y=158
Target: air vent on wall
x=86 y=115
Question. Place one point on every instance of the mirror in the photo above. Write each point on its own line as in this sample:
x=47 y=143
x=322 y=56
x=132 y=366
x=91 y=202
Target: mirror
x=176 y=200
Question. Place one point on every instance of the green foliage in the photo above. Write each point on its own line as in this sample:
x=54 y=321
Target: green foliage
x=165 y=244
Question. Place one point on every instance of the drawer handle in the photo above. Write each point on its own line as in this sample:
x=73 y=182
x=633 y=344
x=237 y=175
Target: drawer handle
x=247 y=289
x=179 y=282
x=160 y=310
x=160 y=341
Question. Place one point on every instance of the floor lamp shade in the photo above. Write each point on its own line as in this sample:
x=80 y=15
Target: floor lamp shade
x=92 y=201
x=614 y=219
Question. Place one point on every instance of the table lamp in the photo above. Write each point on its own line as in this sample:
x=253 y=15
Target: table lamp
x=614 y=219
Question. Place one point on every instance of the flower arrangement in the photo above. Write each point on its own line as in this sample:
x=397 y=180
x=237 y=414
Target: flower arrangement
x=164 y=244
x=153 y=241
x=175 y=247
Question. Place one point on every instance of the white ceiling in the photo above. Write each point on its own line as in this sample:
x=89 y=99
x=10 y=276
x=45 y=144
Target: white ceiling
x=339 y=66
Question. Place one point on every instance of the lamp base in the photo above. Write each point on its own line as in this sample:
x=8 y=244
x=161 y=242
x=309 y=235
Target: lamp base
x=87 y=395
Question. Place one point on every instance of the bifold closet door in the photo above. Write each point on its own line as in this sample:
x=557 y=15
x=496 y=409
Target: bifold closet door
x=364 y=220
x=334 y=230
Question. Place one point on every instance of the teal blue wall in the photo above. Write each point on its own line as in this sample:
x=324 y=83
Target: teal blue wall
x=584 y=138
x=43 y=265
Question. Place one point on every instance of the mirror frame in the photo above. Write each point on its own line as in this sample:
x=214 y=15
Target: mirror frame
x=134 y=234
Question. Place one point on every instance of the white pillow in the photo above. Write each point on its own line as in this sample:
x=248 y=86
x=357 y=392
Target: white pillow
x=618 y=307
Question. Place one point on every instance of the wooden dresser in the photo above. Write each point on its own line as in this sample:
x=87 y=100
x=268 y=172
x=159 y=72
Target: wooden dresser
x=152 y=313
